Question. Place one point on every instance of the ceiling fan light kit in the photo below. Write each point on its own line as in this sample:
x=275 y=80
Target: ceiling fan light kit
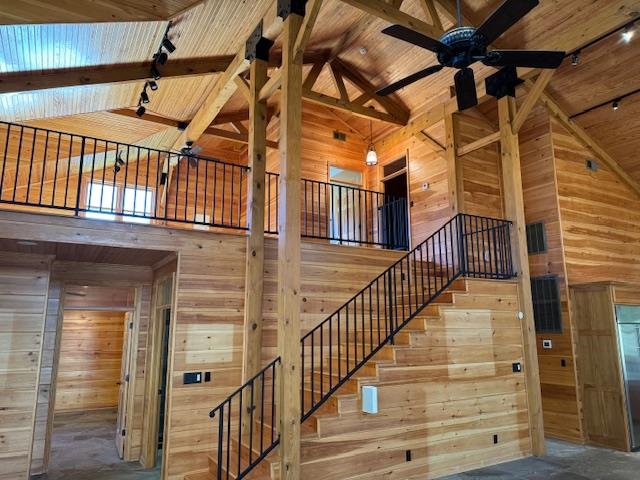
x=462 y=46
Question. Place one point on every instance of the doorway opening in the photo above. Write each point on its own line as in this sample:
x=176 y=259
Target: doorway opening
x=394 y=214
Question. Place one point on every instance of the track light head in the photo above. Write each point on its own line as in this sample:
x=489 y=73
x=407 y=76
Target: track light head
x=152 y=85
x=575 y=58
x=627 y=33
x=161 y=58
x=166 y=43
x=116 y=168
x=144 y=96
x=616 y=104
x=155 y=73
x=141 y=111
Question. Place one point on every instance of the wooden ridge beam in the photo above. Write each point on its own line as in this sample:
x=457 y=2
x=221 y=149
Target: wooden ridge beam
x=532 y=98
x=429 y=9
x=478 y=144
x=392 y=14
x=583 y=137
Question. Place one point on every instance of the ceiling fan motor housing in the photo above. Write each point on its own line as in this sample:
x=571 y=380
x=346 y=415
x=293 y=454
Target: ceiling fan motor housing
x=465 y=47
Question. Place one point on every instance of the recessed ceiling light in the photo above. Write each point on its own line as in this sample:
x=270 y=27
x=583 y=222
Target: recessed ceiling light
x=363 y=50
x=27 y=243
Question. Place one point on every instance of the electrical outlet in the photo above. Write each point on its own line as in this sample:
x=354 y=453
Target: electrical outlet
x=547 y=344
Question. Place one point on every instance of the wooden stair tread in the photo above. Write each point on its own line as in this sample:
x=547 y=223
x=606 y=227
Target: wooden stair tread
x=204 y=475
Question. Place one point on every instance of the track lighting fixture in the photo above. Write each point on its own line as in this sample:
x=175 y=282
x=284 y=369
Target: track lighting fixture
x=141 y=111
x=155 y=73
x=575 y=58
x=152 y=85
x=616 y=104
x=166 y=43
x=144 y=96
x=161 y=58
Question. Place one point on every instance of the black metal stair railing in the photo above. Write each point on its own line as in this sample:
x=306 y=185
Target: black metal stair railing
x=96 y=178
x=333 y=351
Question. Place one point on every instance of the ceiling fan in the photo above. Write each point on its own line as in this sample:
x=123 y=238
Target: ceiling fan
x=462 y=46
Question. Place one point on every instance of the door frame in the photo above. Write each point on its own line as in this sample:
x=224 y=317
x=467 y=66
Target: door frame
x=403 y=171
x=151 y=415
x=124 y=386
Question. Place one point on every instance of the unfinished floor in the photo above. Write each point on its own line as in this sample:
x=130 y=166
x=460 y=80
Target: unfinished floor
x=564 y=461
x=83 y=448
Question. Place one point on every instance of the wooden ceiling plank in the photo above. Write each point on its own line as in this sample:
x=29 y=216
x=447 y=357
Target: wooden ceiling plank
x=583 y=137
x=45 y=11
x=532 y=98
x=391 y=14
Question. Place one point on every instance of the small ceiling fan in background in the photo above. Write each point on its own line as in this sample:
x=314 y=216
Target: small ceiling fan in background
x=463 y=46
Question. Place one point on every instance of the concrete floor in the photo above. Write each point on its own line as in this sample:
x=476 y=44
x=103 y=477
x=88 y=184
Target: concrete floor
x=563 y=461
x=83 y=448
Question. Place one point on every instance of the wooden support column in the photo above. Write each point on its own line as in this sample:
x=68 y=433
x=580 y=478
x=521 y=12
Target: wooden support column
x=254 y=281
x=454 y=168
x=514 y=210
x=289 y=252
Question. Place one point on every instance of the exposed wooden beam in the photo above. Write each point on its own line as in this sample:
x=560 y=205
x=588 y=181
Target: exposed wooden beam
x=421 y=122
x=254 y=269
x=514 y=210
x=109 y=74
x=313 y=75
x=243 y=87
x=583 y=137
x=271 y=85
x=309 y=21
x=429 y=9
x=239 y=127
x=289 y=256
x=478 y=144
x=351 y=107
x=45 y=11
x=532 y=98
x=454 y=169
x=392 y=14
x=339 y=82
x=431 y=142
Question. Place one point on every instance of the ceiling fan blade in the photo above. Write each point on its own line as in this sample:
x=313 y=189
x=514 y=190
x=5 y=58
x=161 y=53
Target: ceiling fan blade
x=409 y=80
x=466 y=89
x=415 y=38
x=524 y=58
x=504 y=17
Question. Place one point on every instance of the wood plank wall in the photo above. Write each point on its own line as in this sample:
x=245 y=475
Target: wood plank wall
x=90 y=359
x=449 y=391
x=24 y=283
x=600 y=217
x=560 y=398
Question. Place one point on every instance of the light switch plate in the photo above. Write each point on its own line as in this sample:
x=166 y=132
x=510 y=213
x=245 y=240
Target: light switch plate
x=547 y=344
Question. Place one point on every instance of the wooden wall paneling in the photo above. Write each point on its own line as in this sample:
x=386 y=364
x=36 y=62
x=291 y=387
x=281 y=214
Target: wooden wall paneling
x=599 y=367
x=46 y=384
x=90 y=356
x=450 y=389
x=560 y=397
x=24 y=284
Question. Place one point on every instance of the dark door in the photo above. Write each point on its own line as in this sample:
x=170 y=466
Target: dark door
x=163 y=380
x=394 y=213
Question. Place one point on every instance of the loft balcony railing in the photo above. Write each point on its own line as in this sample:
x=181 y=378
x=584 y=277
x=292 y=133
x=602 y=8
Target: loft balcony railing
x=85 y=176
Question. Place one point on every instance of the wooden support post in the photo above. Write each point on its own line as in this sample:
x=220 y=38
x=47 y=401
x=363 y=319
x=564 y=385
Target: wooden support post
x=289 y=253
x=254 y=281
x=514 y=210
x=454 y=169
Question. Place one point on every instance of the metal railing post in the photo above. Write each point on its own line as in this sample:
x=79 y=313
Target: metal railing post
x=80 y=171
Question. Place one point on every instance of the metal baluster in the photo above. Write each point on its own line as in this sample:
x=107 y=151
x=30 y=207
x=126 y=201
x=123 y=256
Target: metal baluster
x=33 y=151
x=220 y=441
x=19 y=155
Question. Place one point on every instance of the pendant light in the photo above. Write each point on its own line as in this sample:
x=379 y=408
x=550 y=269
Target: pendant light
x=372 y=157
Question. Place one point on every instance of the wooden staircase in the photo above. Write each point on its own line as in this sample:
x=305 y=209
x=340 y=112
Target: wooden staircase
x=346 y=402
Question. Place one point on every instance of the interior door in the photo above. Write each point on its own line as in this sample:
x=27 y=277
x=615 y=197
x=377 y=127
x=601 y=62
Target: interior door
x=121 y=425
x=629 y=340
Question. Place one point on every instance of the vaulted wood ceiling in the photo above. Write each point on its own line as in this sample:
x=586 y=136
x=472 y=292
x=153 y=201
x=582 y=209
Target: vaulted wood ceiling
x=215 y=28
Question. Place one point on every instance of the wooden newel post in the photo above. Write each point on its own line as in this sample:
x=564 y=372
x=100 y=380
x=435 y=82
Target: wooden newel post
x=514 y=210
x=289 y=251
